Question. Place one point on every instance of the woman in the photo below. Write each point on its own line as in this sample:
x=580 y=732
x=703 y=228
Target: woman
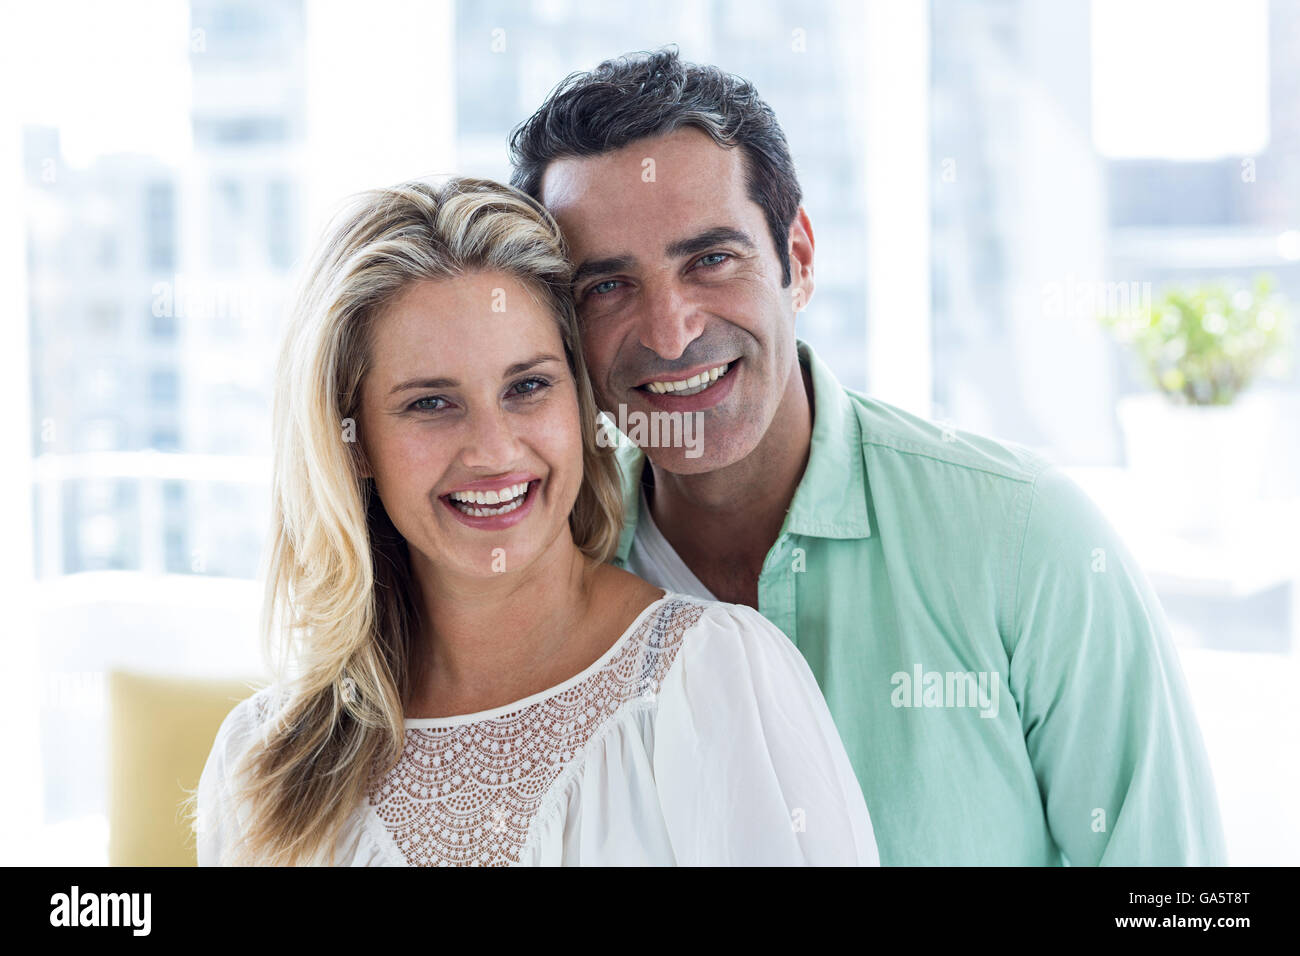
x=460 y=677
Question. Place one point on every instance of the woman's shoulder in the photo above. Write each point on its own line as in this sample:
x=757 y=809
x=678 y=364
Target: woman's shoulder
x=708 y=635
x=721 y=651
x=247 y=718
x=740 y=713
x=708 y=619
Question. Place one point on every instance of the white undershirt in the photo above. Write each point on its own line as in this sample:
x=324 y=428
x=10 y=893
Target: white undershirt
x=653 y=558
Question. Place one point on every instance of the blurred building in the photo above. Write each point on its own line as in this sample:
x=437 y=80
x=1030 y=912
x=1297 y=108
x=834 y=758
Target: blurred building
x=157 y=300
x=1025 y=208
x=167 y=340
x=1018 y=211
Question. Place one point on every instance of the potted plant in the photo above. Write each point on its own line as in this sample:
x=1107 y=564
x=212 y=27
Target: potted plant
x=1197 y=443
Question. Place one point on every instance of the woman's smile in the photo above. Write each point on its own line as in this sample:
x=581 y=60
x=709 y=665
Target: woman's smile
x=493 y=508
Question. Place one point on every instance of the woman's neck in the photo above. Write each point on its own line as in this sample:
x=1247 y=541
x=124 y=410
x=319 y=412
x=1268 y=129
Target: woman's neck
x=486 y=641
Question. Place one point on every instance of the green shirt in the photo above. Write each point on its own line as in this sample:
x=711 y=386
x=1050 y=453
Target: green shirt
x=998 y=666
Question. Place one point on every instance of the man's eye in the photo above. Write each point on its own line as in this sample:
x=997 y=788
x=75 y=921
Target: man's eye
x=717 y=257
x=601 y=288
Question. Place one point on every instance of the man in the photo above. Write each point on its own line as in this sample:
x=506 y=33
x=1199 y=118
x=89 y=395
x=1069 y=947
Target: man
x=999 y=669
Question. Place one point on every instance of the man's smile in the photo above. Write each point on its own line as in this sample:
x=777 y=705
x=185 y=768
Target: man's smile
x=703 y=388
x=687 y=384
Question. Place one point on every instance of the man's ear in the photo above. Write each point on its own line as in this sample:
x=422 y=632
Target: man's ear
x=801 y=259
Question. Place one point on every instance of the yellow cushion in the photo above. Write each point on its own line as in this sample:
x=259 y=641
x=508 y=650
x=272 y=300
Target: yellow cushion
x=162 y=729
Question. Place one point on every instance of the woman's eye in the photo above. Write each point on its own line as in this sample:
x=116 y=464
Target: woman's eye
x=419 y=406
x=524 y=389
x=540 y=384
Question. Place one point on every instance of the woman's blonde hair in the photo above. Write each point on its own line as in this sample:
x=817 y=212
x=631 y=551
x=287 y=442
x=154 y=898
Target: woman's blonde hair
x=339 y=618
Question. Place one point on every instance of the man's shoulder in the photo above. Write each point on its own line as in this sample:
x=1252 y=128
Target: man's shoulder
x=974 y=482
x=890 y=431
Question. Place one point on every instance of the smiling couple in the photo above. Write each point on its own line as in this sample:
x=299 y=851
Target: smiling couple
x=502 y=641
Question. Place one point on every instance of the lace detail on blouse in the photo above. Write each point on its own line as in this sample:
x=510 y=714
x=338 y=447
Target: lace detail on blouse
x=467 y=794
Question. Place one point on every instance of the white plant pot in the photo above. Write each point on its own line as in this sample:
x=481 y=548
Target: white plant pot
x=1198 y=467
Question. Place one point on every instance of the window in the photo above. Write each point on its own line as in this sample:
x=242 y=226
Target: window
x=164 y=388
x=160 y=226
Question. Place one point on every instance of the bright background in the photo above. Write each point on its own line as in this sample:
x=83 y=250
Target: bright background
x=968 y=165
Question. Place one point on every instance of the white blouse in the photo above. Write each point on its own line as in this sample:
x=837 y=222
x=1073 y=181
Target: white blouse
x=699 y=738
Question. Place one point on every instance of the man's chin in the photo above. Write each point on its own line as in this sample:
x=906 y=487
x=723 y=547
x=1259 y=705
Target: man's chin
x=694 y=460
x=687 y=442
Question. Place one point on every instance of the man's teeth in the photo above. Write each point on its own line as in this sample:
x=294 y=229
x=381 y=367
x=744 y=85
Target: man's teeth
x=508 y=499
x=690 y=386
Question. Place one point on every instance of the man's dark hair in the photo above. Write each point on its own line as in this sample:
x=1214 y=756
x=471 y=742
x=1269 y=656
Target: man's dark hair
x=648 y=94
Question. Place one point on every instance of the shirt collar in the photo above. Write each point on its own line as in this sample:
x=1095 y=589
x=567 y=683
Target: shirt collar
x=831 y=499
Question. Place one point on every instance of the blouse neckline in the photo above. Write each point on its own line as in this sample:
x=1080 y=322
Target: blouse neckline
x=429 y=723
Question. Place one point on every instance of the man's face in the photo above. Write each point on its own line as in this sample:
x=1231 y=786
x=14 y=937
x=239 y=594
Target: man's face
x=676 y=277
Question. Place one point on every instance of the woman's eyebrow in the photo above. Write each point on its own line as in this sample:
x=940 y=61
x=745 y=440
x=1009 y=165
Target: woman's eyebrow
x=533 y=362
x=515 y=369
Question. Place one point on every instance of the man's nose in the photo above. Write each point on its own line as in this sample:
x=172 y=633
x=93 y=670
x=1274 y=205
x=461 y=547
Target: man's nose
x=669 y=321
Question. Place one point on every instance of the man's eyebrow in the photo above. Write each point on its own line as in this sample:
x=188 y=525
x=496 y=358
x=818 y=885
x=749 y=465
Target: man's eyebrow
x=597 y=267
x=709 y=237
x=515 y=369
x=675 y=250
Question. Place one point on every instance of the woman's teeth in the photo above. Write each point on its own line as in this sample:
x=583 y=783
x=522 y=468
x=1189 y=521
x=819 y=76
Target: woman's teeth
x=506 y=500
x=690 y=386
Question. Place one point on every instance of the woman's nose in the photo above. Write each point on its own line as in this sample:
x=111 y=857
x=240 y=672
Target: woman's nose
x=491 y=441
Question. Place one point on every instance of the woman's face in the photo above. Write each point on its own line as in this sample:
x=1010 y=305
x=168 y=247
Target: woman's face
x=469 y=422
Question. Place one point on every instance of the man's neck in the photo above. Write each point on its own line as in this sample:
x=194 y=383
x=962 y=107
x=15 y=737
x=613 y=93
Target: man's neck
x=723 y=522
